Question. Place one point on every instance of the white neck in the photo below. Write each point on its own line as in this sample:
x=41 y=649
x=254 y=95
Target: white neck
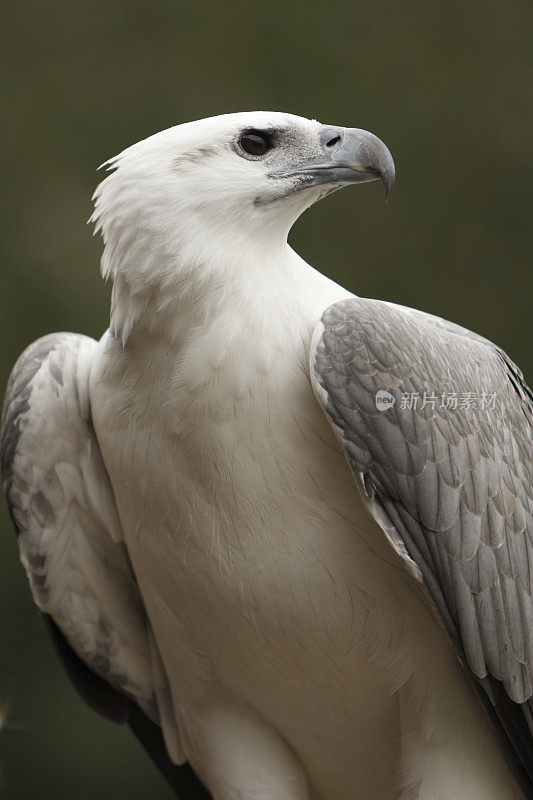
x=172 y=293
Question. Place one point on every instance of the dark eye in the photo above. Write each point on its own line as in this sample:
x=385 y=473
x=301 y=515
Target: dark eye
x=256 y=143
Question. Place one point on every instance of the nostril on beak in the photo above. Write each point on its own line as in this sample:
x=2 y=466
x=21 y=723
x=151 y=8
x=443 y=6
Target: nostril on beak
x=333 y=141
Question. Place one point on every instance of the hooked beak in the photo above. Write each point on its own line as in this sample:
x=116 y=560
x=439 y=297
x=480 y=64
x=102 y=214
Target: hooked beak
x=350 y=155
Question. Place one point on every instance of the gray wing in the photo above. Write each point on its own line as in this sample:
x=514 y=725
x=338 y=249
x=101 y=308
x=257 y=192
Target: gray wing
x=70 y=539
x=445 y=461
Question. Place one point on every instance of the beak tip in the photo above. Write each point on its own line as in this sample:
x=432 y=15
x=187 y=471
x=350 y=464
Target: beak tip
x=388 y=178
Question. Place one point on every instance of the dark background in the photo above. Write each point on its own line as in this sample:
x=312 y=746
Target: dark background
x=448 y=86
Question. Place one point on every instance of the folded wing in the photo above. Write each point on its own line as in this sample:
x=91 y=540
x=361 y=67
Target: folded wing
x=436 y=423
x=70 y=538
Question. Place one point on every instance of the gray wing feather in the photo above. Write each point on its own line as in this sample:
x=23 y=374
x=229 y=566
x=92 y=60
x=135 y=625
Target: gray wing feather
x=452 y=481
x=64 y=511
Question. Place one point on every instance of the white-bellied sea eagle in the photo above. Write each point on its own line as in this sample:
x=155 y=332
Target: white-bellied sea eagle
x=283 y=532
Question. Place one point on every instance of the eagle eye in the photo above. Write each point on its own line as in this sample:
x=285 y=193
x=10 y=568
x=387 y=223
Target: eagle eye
x=255 y=143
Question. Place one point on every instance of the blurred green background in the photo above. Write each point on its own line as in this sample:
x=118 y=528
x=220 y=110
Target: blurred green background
x=448 y=86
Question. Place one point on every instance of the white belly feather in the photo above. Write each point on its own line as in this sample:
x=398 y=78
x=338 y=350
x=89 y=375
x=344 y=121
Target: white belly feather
x=260 y=569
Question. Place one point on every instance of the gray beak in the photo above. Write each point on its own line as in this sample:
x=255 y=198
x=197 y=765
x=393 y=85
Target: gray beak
x=349 y=155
